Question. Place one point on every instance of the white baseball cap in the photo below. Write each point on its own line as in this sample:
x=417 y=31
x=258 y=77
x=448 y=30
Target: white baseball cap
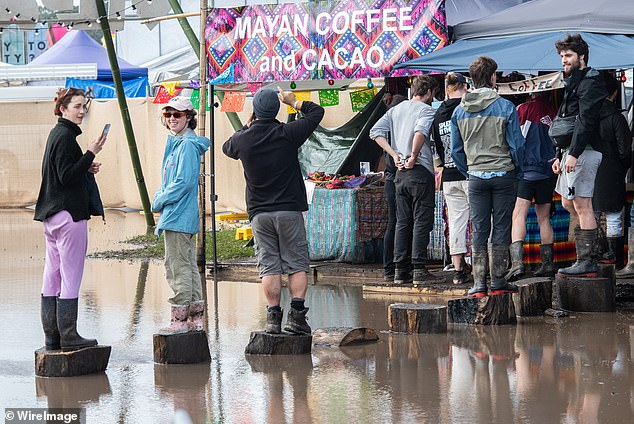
x=179 y=103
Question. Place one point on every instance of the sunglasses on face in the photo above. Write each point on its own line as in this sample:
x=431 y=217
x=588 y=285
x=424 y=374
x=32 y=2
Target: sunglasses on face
x=176 y=115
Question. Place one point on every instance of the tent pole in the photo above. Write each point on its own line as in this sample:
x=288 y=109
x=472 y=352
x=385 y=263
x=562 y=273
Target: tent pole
x=213 y=197
x=125 y=114
x=187 y=29
x=202 y=118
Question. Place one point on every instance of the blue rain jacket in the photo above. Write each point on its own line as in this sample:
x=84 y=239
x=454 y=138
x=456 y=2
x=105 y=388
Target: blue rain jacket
x=177 y=198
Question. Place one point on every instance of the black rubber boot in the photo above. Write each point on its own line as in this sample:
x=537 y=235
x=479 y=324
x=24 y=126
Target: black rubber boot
x=547 y=254
x=499 y=263
x=48 y=314
x=296 y=322
x=273 y=321
x=628 y=271
x=67 y=324
x=479 y=260
x=517 y=261
x=586 y=265
x=615 y=249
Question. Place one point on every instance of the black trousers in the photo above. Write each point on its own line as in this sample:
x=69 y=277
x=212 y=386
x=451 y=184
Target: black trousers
x=414 y=216
x=388 y=238
x=492 y=201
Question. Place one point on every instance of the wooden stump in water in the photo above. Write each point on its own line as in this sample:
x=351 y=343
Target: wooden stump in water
x=186 y=348
x=586 y=294
x=56 y=363
x=262 y=343
x=488 y=310
x=343 y=336
x=417 y=318
x=534 y=296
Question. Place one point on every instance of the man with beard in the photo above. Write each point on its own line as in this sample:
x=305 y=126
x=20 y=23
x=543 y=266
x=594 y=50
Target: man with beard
x=577 y=163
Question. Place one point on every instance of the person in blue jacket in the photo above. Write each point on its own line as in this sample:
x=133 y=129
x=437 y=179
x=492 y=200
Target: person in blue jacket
x=177 y=202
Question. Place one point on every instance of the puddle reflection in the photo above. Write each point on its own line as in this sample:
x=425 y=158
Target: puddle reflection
x=542 y=370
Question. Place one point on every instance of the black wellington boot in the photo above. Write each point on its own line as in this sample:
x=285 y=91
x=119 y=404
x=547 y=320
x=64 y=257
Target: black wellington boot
x=499 y=264
x=516 y=251
x=67 y=324
x=615 y=246
x=628 y=271
x=48 y=314
x=547 y=254
x=586 y=265
x=479 y=260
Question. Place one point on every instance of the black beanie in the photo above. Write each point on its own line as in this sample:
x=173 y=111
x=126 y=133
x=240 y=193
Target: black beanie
x=266 y=104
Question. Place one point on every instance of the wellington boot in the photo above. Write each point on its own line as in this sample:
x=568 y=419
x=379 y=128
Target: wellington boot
x=628 y=270
x=547 y=269
x=67 y=325
x=48 y=314
x=499 y=264
x=178 y=323
x=586 y=265
x=479 y=260
x=196 y=314
x=615 y=246
x=516 y=251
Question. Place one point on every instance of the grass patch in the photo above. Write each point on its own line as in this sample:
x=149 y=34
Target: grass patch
x=149 y=247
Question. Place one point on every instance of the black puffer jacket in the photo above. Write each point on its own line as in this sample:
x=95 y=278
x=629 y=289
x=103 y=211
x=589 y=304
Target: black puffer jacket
x=616 y=140
x=583 y=96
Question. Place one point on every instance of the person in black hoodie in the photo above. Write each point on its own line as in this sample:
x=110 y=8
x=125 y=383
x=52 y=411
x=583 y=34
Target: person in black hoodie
x=276 y=198
x=68 y=196
x=578 y=162
x=454 y=184
x=609 y=186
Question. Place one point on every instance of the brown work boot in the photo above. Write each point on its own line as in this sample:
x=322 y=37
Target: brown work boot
x=273 y=321
x=296 y=322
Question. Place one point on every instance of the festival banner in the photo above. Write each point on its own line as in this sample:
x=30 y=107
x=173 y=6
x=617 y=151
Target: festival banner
x=546 y=82
x=322 y=40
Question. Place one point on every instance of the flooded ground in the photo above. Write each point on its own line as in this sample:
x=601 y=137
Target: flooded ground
x=543 y=370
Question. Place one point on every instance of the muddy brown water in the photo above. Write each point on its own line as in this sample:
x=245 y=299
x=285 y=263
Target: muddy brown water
x=542 y=370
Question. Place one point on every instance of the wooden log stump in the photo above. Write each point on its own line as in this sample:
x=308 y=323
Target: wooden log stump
x=185 y=348
x=586 y=294
x=56 y=363
x=262 y=343
x=534 y=296
x=343 y=336
x=488 y=310
x=417 y=318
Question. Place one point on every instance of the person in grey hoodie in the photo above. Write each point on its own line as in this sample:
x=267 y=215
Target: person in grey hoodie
x=487 y=147
x=408 y=124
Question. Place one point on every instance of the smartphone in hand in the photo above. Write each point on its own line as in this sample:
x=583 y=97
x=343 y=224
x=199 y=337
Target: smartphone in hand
x=106 y=129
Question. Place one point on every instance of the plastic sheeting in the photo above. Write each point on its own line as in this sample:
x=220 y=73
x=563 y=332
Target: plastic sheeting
x=339 y=150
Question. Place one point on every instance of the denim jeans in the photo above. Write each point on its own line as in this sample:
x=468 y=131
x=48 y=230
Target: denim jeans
x=613 y=222
x=414 y=216
x=388 y=238
x=492 y=201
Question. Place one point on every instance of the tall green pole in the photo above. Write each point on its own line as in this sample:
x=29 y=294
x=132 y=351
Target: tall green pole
x=125 y=113
x=233 y=117
x=187 y=29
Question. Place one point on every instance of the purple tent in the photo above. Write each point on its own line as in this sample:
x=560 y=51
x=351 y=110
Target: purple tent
x=78 y=47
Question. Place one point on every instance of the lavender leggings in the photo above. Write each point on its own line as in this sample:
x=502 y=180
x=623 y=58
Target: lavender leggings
x=66 y=244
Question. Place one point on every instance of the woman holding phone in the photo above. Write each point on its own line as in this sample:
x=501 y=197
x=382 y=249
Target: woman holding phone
x=177 y=201
x=68 y=197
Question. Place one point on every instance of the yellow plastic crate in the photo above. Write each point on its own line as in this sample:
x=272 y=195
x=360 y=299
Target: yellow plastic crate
x=244 y=233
